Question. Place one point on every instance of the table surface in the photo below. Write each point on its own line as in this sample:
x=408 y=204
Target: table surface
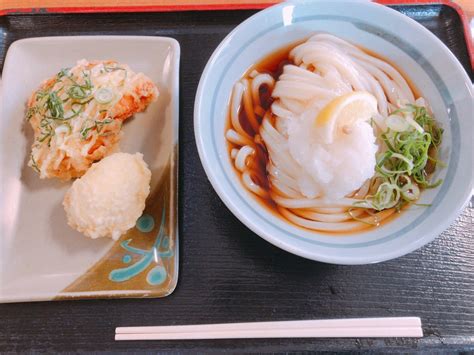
x=227 y=273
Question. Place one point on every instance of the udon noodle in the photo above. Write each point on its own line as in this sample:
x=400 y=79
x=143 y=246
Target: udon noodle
x=280 y=161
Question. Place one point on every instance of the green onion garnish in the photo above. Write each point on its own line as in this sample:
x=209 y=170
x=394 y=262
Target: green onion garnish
x=55 y=105
x=33 y=163
x=104 y=95
x=401 y=168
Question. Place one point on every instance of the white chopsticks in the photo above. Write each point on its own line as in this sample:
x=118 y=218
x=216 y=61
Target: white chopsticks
x=329 y=328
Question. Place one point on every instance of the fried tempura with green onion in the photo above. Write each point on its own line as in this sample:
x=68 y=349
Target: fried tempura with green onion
x=77 y=115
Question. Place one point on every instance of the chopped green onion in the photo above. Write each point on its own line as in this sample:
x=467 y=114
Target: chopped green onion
x=355 y=218
x=77 y=92
x=54 y=105
x=31 y=112
x=411 y=137
x=410 y=192
x=100 y=124
x=397 y=123
x=86 y=128
x=40 y=94
x=413 y=123
x=75 y=112
x=387 y=196
x=104 y=95
x=63 y=72
x=33 y=163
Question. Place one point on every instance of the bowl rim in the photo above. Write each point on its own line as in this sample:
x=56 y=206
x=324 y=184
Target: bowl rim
x=275 y=240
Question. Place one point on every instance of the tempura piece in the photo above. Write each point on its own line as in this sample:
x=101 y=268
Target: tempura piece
x=110 y=197
x=77 y=115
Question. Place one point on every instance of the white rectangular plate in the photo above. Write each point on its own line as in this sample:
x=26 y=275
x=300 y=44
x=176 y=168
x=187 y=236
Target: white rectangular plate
x=41 y=257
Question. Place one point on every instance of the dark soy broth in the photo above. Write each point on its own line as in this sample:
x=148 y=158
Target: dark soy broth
x=272 y=64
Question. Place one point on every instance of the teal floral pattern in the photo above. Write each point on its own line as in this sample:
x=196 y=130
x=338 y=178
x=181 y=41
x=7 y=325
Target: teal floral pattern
x=159 y=251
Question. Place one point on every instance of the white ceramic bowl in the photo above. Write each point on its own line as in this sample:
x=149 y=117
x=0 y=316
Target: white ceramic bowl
x=416 y=51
